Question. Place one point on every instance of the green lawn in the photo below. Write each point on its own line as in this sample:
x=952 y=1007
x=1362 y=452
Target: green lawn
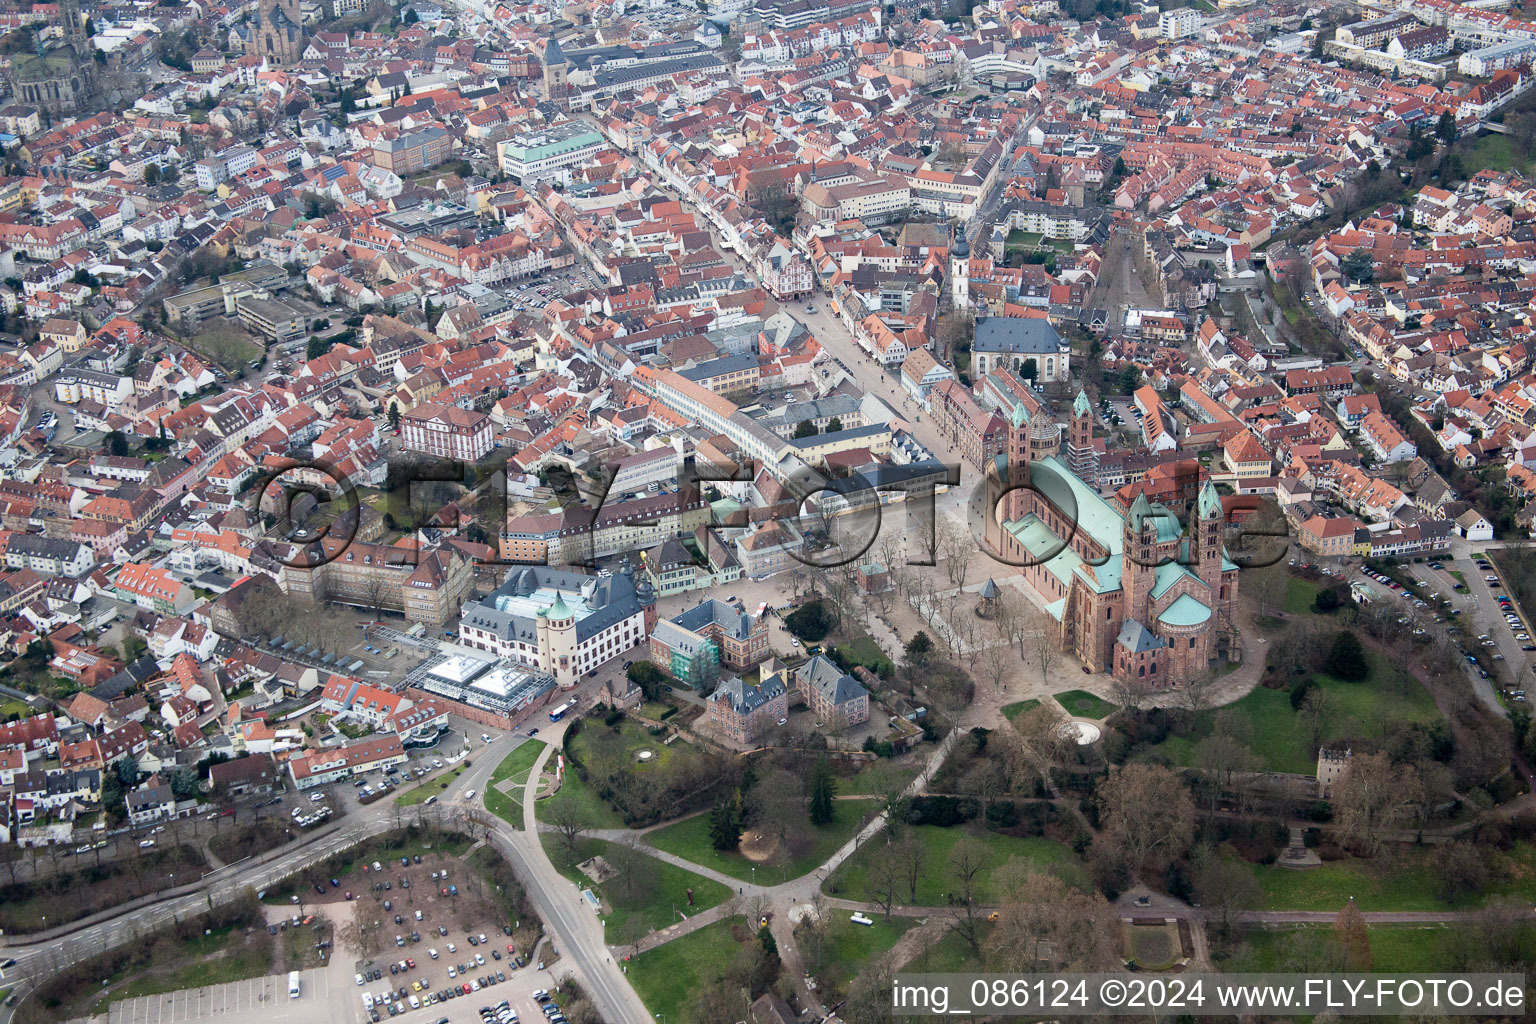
x=1282 y=740
x=852 y=879
x=689 y=839
x=648 y=901
x=515 y=766
x=863 y=650
x=670 y=976
x=1082 y=704
x=877 y=778
x=574 y=792
x=851 y=946
x=950 y=955
x=19 y=708
x=595 y=740
x=431 y=787
x=1495 y=151
x=1407 y=883
x=1395 y=949
x=1299 y=595
x=1018 y=707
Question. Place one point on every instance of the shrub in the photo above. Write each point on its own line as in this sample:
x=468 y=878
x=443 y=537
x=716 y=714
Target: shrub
x=943 y=811
x=1002 y=814
x=812 y=621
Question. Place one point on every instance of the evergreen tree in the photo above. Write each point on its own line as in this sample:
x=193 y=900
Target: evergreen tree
x=834 y=425
x=1445 y=129
x=1346 y=659
x=823 y=791
x=765 y=937
x=724 y=827
x=394 y=416
x=919 y=647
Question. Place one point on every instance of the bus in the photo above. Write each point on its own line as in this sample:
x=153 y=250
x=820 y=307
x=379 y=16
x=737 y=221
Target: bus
x=558 y=713
x=293 y=984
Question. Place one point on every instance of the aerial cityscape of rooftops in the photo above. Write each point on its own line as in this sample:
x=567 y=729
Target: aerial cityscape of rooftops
x=1049 y=483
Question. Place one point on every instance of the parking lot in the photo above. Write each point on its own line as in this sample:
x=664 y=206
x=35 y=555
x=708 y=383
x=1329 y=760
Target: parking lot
x=254 y=1001
x=538 y=292
x=429 y=915
x=1475 y=612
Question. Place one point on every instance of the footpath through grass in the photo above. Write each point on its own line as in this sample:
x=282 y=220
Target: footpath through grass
x=646 y=894
x=514 y=767
x=689 y=839
x=854 y=879
x=670 y=976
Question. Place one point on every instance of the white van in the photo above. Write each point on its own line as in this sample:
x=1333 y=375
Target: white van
x=293 y=984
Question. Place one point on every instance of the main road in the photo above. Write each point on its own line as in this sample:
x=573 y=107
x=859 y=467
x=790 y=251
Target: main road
x=569 y=924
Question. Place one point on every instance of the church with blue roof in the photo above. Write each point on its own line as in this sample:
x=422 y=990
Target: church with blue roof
x=1133 y=592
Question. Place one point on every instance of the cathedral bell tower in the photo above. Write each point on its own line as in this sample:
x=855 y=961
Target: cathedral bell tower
x=1210 y=519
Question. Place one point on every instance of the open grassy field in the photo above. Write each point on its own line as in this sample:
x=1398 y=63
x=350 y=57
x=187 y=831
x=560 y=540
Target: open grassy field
x=1082 y=704
x=853 y=879
x=1497 y=152
x=669 y=977
x=851 y=946
x=1395 y=949
x=1299 y=595
x=647 y=894
x=515 y=767
x=1018 y=707
x=1407 y=882
x=574 y=792
x=689 y=839
x=951 y=954
x=1282 y=740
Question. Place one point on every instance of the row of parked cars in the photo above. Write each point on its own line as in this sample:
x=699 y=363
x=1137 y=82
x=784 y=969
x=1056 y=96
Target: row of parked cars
x=419 y=993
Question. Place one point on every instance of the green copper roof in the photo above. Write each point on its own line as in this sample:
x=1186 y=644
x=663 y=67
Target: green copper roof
x=558 y=610
x=1020 y=415
x=1167 y=574
x=1081 y=406
x=1210 y=502
x=1056 y=608
x=1186 y=611
x=1058 y=558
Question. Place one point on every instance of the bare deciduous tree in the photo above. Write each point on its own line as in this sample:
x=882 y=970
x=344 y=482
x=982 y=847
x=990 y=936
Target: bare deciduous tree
x=1047 y=925
x=1373 y=796
x=1148 y=814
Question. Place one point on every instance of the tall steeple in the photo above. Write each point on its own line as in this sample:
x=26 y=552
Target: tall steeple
x=1082 y=458
x=960 y=270
x=555 y=68
x=1206 y=542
